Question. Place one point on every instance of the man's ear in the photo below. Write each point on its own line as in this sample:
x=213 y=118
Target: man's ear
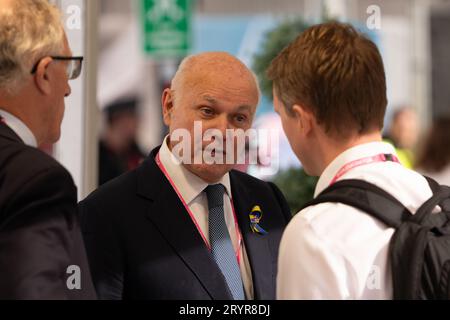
x=42 y=76
x=304 y=117
x=167 y=101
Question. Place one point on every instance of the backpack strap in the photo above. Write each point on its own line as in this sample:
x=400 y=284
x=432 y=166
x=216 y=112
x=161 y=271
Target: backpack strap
x=366 y=197
x=441 y=198
x=438 y=190
x=434 y=185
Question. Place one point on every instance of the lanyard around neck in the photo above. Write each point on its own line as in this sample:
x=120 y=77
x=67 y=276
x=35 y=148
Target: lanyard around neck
x=238 y=233
x=363 y=161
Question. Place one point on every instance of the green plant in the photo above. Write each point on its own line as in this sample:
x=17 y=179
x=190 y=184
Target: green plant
x=274 y=41
x=295 y=184
x=297 y=187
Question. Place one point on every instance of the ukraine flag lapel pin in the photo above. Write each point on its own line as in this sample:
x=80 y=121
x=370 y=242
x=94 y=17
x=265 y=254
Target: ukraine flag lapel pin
x=255 y=218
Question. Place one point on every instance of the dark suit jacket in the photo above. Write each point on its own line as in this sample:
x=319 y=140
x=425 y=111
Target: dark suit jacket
x=142 y=244
x=40 y=235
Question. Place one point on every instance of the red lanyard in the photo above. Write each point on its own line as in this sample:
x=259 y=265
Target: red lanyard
x=239 y=236
x=360 y=162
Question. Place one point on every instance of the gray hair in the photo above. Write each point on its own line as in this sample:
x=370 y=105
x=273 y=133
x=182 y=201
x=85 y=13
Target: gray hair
x=29 y=30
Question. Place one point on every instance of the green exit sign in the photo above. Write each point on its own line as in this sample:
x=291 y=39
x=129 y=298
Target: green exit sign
x=166 y=25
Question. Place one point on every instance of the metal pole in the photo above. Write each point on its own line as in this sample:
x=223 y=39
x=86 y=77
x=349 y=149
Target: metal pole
x=422 y=61
x=91 y=110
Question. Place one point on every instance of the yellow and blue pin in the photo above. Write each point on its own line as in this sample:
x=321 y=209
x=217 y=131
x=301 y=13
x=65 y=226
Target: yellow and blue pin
x=255 y=217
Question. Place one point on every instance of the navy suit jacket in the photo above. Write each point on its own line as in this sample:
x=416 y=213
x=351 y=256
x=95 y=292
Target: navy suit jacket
x=142 y=243
x=40 y=234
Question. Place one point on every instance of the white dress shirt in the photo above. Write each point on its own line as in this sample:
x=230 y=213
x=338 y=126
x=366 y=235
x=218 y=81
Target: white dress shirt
x=191 y=189
x=19 y=128
x=334 y=251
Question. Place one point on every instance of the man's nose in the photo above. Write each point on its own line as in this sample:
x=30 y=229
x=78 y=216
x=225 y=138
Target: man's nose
x=68 y=90
x=222 y=124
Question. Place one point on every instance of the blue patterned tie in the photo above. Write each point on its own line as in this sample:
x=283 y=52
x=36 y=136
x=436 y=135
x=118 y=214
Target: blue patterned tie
x=221 y=246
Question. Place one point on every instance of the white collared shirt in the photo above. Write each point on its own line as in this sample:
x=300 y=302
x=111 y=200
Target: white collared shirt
x=334 y=251
x=191 y=189
x=19 y=128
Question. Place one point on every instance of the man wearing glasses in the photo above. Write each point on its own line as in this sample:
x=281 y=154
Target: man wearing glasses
x=41 y=250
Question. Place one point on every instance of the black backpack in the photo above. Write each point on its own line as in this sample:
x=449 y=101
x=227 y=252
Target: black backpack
x=420 y=247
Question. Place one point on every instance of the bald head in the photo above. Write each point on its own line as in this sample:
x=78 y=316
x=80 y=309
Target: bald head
x=210 y=91
x=222 y=67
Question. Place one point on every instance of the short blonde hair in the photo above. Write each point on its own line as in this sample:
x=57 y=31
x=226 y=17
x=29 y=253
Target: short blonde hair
x=338 y=74
x=29 y=30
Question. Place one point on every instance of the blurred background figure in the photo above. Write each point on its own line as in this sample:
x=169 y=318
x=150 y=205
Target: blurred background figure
x=434 y=158
x=403 y=134
x=154 y=35
x=118 y=150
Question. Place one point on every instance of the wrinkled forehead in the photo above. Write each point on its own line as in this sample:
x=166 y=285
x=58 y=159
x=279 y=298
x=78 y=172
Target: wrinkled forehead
x=225 y=69
x=237 y=89
x=221 y=76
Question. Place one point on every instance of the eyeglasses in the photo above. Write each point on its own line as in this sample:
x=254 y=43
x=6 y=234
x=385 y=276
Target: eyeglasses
x=73 y=68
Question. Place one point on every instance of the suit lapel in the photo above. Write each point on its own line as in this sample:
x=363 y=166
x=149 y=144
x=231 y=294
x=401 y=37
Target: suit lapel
x=8 y=133
x=256 y=245
x=168 y=214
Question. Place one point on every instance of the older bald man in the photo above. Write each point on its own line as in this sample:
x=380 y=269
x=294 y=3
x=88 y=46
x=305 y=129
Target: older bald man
x=185 y=225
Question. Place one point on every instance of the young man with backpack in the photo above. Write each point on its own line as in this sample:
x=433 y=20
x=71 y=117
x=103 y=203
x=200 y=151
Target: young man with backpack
x=369 y=233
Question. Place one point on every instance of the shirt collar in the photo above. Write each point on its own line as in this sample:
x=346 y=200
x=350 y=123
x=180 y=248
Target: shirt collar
x=188 y=184
x=352 y=154
x=19 y=128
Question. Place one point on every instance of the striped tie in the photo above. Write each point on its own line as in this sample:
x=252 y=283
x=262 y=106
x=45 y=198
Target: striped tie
x=221 y=246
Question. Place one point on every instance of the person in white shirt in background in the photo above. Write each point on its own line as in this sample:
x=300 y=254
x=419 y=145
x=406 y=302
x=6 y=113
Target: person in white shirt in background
x=330 y=92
